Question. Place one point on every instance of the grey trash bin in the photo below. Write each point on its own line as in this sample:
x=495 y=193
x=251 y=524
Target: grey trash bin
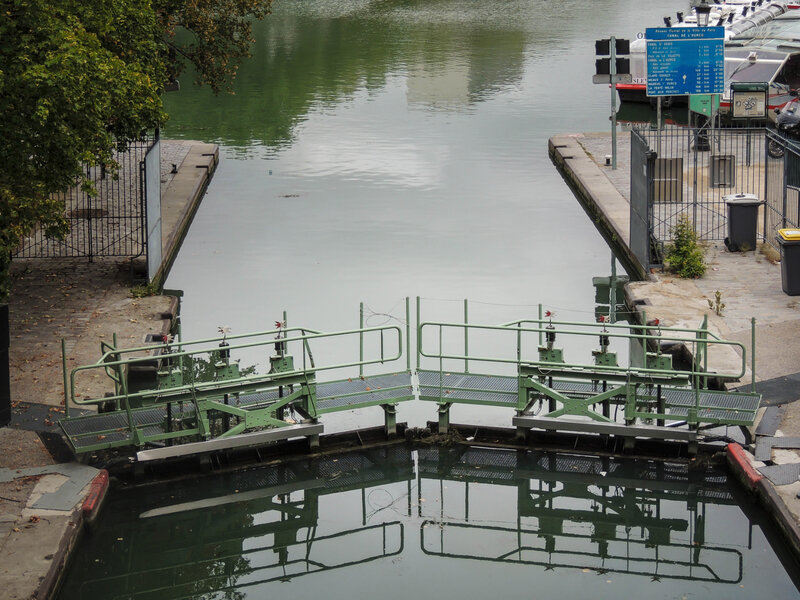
x=789 y=240
x=742 y=221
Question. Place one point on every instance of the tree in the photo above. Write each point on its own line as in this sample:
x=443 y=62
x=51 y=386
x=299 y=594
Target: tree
x=80 y=79
x=684 y=255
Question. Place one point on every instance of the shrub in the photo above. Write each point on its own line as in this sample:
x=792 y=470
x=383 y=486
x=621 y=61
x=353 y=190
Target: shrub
x=684 y=255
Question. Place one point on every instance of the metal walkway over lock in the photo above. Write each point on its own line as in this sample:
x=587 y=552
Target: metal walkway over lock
x=177 y=397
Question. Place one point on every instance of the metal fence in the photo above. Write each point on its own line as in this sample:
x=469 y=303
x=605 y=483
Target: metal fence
x=112 y=223
x=782 y=186
x=693 y=170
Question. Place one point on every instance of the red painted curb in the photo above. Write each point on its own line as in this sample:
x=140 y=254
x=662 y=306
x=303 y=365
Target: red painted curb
x=737 y=456
x=97 y=490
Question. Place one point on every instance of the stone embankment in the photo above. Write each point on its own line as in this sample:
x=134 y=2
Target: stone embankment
x=44 y=504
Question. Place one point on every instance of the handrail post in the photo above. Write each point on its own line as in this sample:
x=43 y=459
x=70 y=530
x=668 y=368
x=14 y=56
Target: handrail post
x=286 y=329
x=441 y=365
x=466 y=337
x=419 y=333
x=705 y=350
x=128 y=412
x=644 y=339
x=117 y=384
x=540 y=324
x=612 y=292
x=64 y=373
x=408 y=333
x=361 y=339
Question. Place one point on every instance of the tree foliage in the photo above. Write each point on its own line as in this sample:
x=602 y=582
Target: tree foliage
x=80 y=79
x=211 y=35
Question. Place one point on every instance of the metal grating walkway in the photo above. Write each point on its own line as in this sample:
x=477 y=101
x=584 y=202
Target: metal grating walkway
x=360 y=391
x=735 y=408
x=466 y=388
x=112 y=427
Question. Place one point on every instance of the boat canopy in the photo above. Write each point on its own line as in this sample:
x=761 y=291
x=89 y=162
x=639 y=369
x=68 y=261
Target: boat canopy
x=769 y=53
x=783 y=28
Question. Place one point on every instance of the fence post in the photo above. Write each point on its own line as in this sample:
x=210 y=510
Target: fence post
x=766 y=181
x=694 y=182
x=785 y=183
x=5 y=377
x=650 y=160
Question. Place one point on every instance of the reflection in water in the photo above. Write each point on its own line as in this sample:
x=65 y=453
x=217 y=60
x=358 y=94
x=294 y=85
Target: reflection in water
x=309 y=57
x=378 y=149
x=306 y=59
x=594 y=513
x=344 y=525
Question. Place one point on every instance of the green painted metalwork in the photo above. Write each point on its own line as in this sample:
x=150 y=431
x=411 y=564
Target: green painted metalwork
x=174 y=407
x=187 y=391
x=656 y=391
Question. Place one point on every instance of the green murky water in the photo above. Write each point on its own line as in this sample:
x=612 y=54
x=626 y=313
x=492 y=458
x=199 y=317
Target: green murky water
x=434 y=523
x=378 y=150
x=375 y=150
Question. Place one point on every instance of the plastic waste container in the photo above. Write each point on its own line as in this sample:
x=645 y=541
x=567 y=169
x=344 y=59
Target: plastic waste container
x=742 y=221
x=789 y=240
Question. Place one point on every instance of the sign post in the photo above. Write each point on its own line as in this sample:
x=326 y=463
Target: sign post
x=687 y=61
x=612 y=70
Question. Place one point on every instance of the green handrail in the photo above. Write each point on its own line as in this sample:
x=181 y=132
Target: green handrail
x=211 y=385
x=516 y=327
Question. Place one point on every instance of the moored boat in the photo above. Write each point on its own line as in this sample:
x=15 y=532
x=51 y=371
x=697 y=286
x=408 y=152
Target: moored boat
x=738 y=17
x=768 y=54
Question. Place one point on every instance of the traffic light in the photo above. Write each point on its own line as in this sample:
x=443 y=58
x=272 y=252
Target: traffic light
x=603 y=47
x=603 y=66
x=622 y=64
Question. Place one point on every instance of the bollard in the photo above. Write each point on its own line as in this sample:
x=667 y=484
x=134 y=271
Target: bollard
x=5 y=378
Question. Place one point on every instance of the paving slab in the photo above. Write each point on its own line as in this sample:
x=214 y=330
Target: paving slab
x=781 y=474
x=765 y=445
x=770 y=420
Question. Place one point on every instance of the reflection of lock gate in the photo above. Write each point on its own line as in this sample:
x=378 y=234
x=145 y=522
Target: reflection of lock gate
x=582 y=512
x=182 y=398
x=637 y=517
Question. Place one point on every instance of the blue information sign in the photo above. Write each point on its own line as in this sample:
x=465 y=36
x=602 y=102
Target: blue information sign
x=685 y=60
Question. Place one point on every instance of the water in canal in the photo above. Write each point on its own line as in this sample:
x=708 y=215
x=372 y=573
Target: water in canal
x=435 y=522
x=378 y=150
x=375 y=150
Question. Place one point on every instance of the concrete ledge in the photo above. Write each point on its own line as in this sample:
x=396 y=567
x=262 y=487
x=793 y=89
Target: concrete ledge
x=48 y=527
x=179 y=202
x=609 y=210
x=742 y=469
x=550 y=424
x=781 y=515
x=740 y=465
